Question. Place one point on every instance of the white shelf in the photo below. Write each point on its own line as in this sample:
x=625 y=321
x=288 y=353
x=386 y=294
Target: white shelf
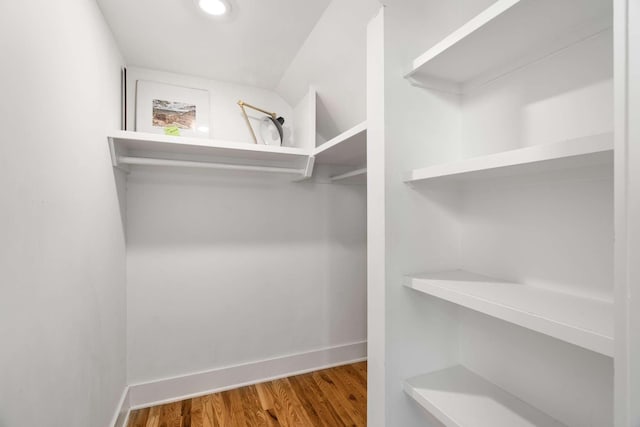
x=459 y=398
x=585 y=322
x=592 y=150
x=347 y=149
x=506 y=36
x=137 y=148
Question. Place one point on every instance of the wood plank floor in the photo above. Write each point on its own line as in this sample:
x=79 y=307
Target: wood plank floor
x=331 y=397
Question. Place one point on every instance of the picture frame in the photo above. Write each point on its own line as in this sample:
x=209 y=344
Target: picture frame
x=123 y=98
x=172 y=110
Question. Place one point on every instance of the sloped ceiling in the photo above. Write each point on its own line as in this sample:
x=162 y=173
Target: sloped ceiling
x=255 y=47
x=333 y=59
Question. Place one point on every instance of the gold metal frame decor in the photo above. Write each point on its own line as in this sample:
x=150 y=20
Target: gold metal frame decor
x=277 y=121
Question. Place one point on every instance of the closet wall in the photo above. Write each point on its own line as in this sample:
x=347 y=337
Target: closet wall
x=552 y=230
x=627 y=89
x=62 y=251
x=226 y=268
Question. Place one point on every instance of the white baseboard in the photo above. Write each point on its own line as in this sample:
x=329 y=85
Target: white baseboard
x=121 y=416
x=198 y=384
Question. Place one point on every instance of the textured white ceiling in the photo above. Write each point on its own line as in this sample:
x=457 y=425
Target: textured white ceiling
x=254 y=48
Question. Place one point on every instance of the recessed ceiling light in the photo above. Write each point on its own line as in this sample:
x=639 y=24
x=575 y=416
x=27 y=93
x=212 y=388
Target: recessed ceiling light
x=214 y=7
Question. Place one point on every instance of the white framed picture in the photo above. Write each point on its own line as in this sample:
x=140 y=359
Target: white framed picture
x=173 y=110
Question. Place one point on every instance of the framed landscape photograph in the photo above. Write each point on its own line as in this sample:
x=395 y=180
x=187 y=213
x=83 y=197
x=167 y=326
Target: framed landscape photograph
x=173 y=110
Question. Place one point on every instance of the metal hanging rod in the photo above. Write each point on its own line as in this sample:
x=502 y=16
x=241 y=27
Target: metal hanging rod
x=349 y=174
x=144 y=161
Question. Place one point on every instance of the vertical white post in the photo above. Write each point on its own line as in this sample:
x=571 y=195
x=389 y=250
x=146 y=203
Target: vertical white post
x=627 y=195
x=376 y=230
x=304 y=121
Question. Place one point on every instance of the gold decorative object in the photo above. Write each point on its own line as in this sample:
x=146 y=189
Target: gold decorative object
x=277 y=121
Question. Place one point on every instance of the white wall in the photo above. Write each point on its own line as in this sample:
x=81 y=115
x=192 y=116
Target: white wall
x=421 y=233
x=333 y=60
x=554 y=230
x=229 y=269
x=62 y=257
x=552 y=233
x=627 y=191
x=571 y=384
x=232 y=268
x=568 y=95
x=226 y=119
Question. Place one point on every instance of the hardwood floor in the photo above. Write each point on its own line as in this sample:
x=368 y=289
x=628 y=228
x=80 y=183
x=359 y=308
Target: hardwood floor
x=331 y=397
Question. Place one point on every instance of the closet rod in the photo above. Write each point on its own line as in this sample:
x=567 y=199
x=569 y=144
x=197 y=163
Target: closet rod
x=349 y=174
x=144 y=161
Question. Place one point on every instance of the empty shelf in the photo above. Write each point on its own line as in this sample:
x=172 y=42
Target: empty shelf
x=506 y=36
x=586 y=151
x=136 y=148
x=584 y=322
x=348 y=149
x=459 y=398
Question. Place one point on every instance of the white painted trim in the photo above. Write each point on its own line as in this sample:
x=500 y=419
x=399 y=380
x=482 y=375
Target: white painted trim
x=121 y=416
x=187 y=386
x=622 y=404
x=376 y=224
x=627 y=209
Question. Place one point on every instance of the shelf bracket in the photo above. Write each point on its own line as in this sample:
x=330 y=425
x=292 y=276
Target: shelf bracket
x=115 y=158
x=307 y=172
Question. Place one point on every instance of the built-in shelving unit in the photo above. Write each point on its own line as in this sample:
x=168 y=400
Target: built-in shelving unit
x=459 y=398
x=505 y=37
x=558 y=58
x=346 y=151
x=146 y=149
x=592 y=150
x=581 y=321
